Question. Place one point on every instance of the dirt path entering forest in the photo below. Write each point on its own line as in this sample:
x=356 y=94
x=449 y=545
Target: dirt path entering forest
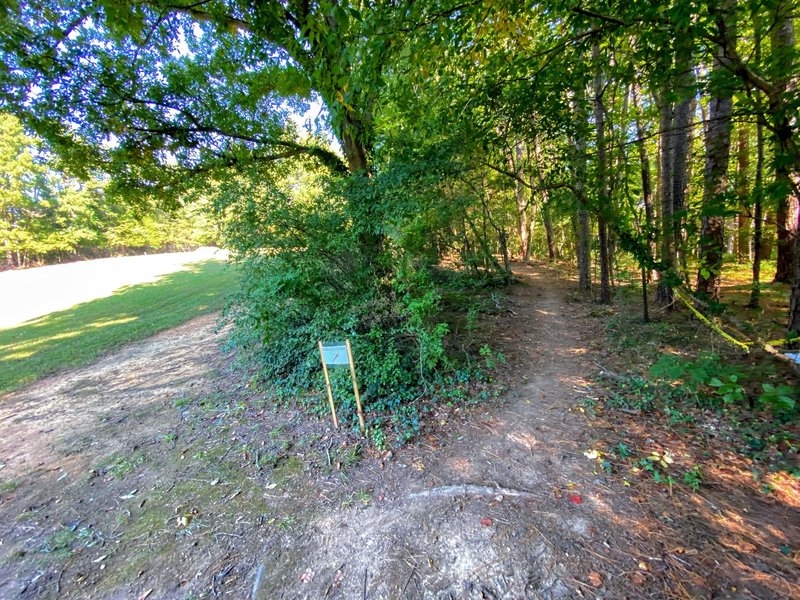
x=156 y=473
x=501 y=508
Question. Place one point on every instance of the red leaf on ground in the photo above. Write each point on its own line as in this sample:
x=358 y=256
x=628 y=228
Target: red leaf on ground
x=638 y=579
x=486 y=522
x=575 y=499
x=595 y=578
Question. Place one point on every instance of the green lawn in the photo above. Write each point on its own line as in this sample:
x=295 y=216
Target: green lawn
x=82 y=333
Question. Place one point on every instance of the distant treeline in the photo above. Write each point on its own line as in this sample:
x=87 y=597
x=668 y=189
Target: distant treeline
x=47 y=216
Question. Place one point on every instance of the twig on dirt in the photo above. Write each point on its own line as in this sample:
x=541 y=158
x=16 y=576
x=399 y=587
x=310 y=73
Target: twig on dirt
x=336 y=582
x=257 y=582
x=410 y=575
x=600 y=556
x=365 y=584
x=607 y=373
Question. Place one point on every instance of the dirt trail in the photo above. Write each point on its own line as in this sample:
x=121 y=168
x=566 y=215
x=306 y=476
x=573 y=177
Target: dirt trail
x=508 y=508
x=158 y=473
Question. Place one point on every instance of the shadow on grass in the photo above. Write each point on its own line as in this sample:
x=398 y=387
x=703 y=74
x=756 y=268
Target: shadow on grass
x=80 y=334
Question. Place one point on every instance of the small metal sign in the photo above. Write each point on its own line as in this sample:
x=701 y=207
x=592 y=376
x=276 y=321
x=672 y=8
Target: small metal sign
x=340 y=354
x=335 y=354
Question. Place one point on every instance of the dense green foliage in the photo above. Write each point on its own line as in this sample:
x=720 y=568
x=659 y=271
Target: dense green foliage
x=81 y=334
x=449 y=134
x=47 y=216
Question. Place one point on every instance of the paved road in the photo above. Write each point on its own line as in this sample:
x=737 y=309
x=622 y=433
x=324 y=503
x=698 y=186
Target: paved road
x=31 y=293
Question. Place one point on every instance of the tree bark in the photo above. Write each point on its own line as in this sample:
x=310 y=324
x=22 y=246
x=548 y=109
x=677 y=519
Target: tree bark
x=715 y=182
x=582 y=230
x=782 y=38
x=666 y=156
x=644 y=162
x=743 y=193
x=794 y=299
x=758 y=222
x=602 y=178
x=552 y=254
x=515 y=161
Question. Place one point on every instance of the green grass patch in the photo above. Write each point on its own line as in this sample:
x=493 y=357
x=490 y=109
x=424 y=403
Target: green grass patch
x=79 y=335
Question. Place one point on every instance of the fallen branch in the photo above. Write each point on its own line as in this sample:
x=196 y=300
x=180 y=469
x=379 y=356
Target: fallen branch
x=768 y=347
x=467 y=489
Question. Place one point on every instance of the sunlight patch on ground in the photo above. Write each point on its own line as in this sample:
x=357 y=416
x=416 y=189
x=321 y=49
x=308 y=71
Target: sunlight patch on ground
x=32 y=293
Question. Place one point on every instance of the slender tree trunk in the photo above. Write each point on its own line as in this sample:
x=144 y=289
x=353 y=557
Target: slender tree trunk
x=758 y=222
x=523 y=228
x=546 y=218
x=583 y=232
x=644 y=162
x=715 y=184
x=666 y=156
x=602 y=179
x=767 y=235
x=794 y=298
x=743 y=193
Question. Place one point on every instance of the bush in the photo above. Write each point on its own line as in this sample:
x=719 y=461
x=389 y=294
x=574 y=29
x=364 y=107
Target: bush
x=308 y=274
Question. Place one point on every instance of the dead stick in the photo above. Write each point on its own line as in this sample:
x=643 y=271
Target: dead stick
x=410 y=575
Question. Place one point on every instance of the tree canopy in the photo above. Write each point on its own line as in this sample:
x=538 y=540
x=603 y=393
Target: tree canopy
x=664 y=134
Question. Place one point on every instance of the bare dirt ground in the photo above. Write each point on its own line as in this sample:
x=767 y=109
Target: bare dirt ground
x=157 y=473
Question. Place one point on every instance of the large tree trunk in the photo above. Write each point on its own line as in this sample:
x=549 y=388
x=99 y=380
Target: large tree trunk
x=715 y=185
x=681 y=143
x=351 y=134
x=602 y=179
x=787 y=213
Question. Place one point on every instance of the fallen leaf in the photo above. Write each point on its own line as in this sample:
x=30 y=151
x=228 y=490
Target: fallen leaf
x=644 y=566
x=575 y=499
x=307 y=576
x=595 y=578
x=638 y=579
x=486 y=522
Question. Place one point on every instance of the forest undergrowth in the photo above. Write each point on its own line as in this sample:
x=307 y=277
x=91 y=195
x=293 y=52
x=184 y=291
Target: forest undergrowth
x=691 y=392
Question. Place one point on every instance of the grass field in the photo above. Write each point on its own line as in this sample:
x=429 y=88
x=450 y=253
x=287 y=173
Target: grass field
x=82 y=333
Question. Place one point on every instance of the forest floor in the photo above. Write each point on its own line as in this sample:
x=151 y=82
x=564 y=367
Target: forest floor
x=157 y=473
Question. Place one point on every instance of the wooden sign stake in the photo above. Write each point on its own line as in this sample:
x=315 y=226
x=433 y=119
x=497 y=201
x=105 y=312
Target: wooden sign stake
x=355 y=387
x=328 y=383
